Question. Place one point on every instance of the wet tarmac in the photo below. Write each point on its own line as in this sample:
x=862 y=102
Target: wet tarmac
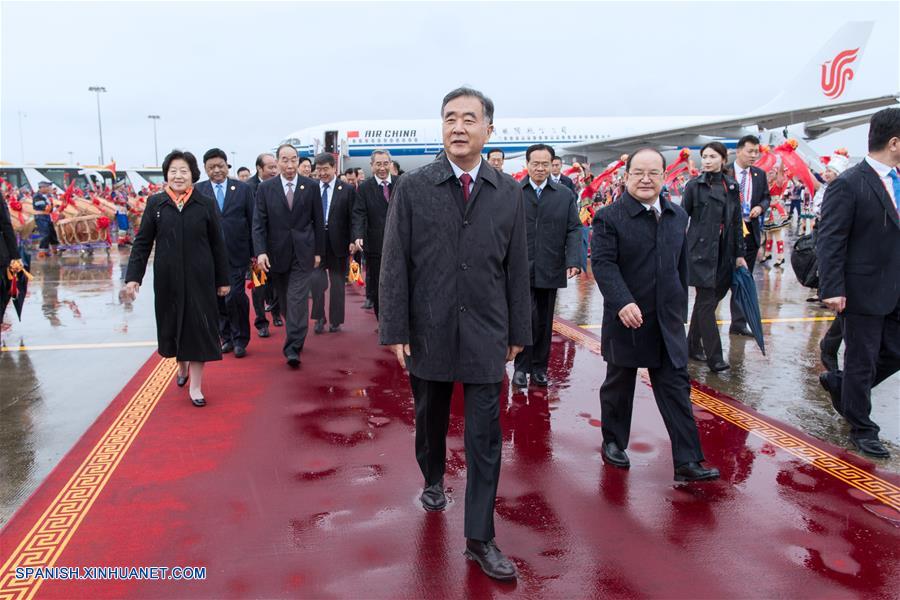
x=78 y=345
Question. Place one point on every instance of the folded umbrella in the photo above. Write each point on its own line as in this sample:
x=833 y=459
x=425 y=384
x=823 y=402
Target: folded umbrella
x=22 y=277
x=744 y=290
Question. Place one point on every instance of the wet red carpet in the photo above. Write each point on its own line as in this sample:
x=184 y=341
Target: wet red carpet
x=304 y=484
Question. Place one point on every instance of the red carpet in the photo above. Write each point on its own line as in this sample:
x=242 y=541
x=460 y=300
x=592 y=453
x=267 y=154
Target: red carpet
x=304 y=484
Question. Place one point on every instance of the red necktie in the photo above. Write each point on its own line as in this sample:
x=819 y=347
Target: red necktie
x=386 y=191
x=465 y=179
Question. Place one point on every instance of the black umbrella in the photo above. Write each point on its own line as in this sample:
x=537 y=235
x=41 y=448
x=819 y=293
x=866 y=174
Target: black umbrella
x=22 y=281
x=744 y=290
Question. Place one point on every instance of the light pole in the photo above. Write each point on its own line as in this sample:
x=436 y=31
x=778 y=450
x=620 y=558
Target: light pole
x=154 y=118
x=70 y=157
x=233 y=161
x=21 y=137
x=99 y=89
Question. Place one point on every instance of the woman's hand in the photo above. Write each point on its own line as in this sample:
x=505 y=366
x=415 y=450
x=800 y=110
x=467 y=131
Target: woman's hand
x=223 y=290
x=132 y=288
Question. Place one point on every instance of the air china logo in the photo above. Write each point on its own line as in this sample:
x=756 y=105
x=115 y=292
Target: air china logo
x=835 y=77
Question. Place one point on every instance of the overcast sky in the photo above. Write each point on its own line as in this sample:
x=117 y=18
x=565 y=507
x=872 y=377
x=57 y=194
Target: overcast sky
x=242 y=75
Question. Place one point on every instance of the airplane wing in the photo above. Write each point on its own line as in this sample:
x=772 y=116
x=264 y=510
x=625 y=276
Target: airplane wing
x=698 y=133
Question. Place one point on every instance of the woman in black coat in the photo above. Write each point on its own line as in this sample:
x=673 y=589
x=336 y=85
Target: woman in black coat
x=190 y=267
x=715 y=240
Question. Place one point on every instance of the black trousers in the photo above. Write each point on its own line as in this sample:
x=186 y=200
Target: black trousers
x=483 y=442
x=261 y=296
x=370 y=289
x=831 y=341
x=330 y=276
x=703 y=330
x=373 y=271
x=292 y=289
x=234 y=310
x=871 y=355
x=672 y=390
x=751 y=248
x=534 y=358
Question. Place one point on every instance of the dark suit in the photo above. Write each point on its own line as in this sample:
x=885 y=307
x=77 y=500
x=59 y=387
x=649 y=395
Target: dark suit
x=454 y=286
x=369 y=215
x=264 y=294
x=858 y=248
x=291 y=238
x=332 y=273
x=554 y=244
x=237 y=225
x=639 y=260
x=759 y=196
x=567 y=181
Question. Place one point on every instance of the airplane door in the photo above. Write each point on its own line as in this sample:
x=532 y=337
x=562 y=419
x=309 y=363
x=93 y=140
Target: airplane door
x=331 y=142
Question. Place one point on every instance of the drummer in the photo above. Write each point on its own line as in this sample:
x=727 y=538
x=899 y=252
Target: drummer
x=43 y=208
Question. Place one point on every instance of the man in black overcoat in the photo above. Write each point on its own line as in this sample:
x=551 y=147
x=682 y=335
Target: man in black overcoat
x=639 y=259
x=858 y=248
x=289 y=235
x=266 y=168
x=369 y=214
x=234 y=200
x=455 y=307
x=554 y=254
x=338 y=199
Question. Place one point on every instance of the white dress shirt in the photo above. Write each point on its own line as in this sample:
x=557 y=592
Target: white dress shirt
x=331 y=185
x=537 y=187
x=749 y=185
x=883 y=171
x=285 y=182
x=473 y=173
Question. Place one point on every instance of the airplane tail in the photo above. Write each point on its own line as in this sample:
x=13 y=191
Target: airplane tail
x=828 y=76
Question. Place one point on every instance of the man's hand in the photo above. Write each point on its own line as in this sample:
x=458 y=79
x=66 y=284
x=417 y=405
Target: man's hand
x=402 y=351
x=223 y=290
x=512 y=351
x=318 y=261
x=631 y=316
x=352 y=248
x=359 y=243
x=837 y=304
x=741 y=262
x=132 y=288
x=262 y=261
x=755 y=212
x=572 y=272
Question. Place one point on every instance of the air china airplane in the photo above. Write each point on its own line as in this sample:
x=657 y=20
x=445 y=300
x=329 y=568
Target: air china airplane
x=808 y=107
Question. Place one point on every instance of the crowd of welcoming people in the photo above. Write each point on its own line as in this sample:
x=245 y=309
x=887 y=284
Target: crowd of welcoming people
x=463 y=264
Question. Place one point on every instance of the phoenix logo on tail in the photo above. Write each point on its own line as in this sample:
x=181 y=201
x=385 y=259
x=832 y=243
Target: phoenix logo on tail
x=834 y=79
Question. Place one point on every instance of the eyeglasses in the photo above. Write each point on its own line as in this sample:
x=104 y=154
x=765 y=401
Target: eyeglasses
x=640 y=175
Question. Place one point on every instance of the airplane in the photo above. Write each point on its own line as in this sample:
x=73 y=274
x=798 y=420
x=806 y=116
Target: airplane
x=805 y=109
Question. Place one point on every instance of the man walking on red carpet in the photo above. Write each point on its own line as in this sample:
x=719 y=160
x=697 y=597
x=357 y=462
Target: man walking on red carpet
x=455 y=306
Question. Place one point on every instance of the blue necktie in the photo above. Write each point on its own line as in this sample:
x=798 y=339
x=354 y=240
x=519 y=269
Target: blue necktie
x=895 y=178
x=537 y=191
x=220 y=196
x=745 y=201
x=325 y=202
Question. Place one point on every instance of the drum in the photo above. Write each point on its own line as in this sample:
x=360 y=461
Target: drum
x=79 y=231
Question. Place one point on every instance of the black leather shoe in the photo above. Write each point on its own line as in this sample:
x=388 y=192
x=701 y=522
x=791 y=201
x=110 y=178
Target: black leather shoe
x=277 y=322
x=871 y=447
x=227 y=347
x=293 y=360
x=263 y=331
x=694 y=471
x=698 y=355
x=491 y=560
x=834 y=393
x=334 y=328
x=181 y=381
x=538 y=378
x=615 y=456
x=720 y=366
x=745 y=331
x=368 y=304
x=198 y=401
x=520 y=379
x=433 y=497
x=240 y=352
x=319 y=326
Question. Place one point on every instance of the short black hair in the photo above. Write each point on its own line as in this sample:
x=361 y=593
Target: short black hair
x=215 y=153
x=644 y=149
x=350 y=171
x=187 y=157
x=304 y=159
x=555 y=158
x=259 y=159
x=360 y=171
x=486 y=103
x=747 y=139
x=283 y=146
x=719 y=148
x=537 y=147
x=493 y=150
x=884 y=125
x=325 y=158
x=242 y=169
